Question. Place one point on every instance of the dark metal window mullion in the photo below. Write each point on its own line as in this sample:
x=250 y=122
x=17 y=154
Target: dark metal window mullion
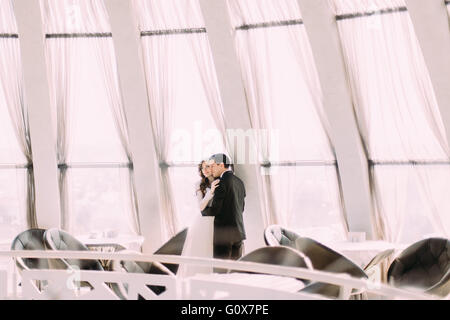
x=370 y=13
x=269 y=24
x=79 y=35
x=14 y=166
x=172 y=32
x=408 y=163
x=299 y=164
x=94 y=165
x=9 y=35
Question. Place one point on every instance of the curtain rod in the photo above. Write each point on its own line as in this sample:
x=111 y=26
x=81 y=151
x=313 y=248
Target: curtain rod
x=172 y=31
x=370 y=13
x=15 y=166
x=9 y=35
x=306 y=163
x=94 y=165
x=270 y=24
x=78 y=35
x=264 y=164
x=409 y=163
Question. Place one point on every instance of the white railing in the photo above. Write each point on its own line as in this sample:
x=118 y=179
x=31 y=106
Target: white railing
x=60 y=283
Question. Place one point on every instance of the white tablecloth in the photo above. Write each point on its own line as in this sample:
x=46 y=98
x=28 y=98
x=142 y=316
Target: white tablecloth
x=129 y=242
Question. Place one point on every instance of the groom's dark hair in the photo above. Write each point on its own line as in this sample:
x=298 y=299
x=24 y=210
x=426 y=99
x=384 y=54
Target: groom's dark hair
x=221 y=158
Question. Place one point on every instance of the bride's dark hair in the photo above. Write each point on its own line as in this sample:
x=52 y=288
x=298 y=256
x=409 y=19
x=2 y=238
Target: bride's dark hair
x=204 y=183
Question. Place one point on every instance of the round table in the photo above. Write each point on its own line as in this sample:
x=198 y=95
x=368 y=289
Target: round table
x=128 y=242
x=110 y=245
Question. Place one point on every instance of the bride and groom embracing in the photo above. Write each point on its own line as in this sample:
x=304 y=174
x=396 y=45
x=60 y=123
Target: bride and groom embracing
x=221 y=194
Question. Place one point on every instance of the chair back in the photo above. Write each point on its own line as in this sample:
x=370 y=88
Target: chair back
x=422 y=265
x=379 y=258
x=173 y=247
x=55 y=239
x=326 y=259
x=280 y=256
x=32 y=239
x=275 y=235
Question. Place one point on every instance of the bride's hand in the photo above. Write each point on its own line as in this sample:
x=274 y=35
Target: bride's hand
x=214 y=185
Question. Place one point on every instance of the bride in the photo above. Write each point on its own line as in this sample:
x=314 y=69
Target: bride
x=206 y=186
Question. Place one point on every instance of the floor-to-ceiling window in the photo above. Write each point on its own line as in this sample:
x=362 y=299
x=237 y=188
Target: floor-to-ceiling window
x=398 y=117
x=94 y=161
x=185 y=106
x=299 y=174
x=16 y=168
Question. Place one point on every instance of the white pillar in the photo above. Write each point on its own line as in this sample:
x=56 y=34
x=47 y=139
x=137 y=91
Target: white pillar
x=231 y=87
x=431 y=24
x=126 y=37
x=37 y=99
x=323 y=35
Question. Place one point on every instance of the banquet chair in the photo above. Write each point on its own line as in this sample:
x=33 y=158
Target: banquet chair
x=326 y=259
x=32 y=239
x=172 y=247
x=277 y=255
x=275 y=235
x=55 y=239
x=425 y=265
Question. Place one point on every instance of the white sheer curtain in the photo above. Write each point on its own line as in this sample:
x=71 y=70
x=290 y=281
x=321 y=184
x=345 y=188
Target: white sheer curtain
x=80 y=49
x=390 y=197
x=183 y=92
x=7 y=19
x=205 y=64
x=105 y=58
x=158 y=54
x=397 y=114
x=11 y=84
x=11 y=91
x=62 y=71
x=284 y=97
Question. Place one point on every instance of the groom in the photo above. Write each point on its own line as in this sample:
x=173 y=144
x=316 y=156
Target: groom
x=227 y=207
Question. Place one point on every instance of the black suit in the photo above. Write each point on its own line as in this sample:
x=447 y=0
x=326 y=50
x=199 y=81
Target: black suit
x=227 y=208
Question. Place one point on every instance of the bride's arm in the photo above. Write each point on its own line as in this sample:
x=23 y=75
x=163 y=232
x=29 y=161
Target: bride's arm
x=203 y=201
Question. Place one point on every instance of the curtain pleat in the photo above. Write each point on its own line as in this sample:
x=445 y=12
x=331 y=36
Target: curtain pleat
x=104 y=53
x=158 y=54
x=11 y=85
x=200 y=47
x=61 y=57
